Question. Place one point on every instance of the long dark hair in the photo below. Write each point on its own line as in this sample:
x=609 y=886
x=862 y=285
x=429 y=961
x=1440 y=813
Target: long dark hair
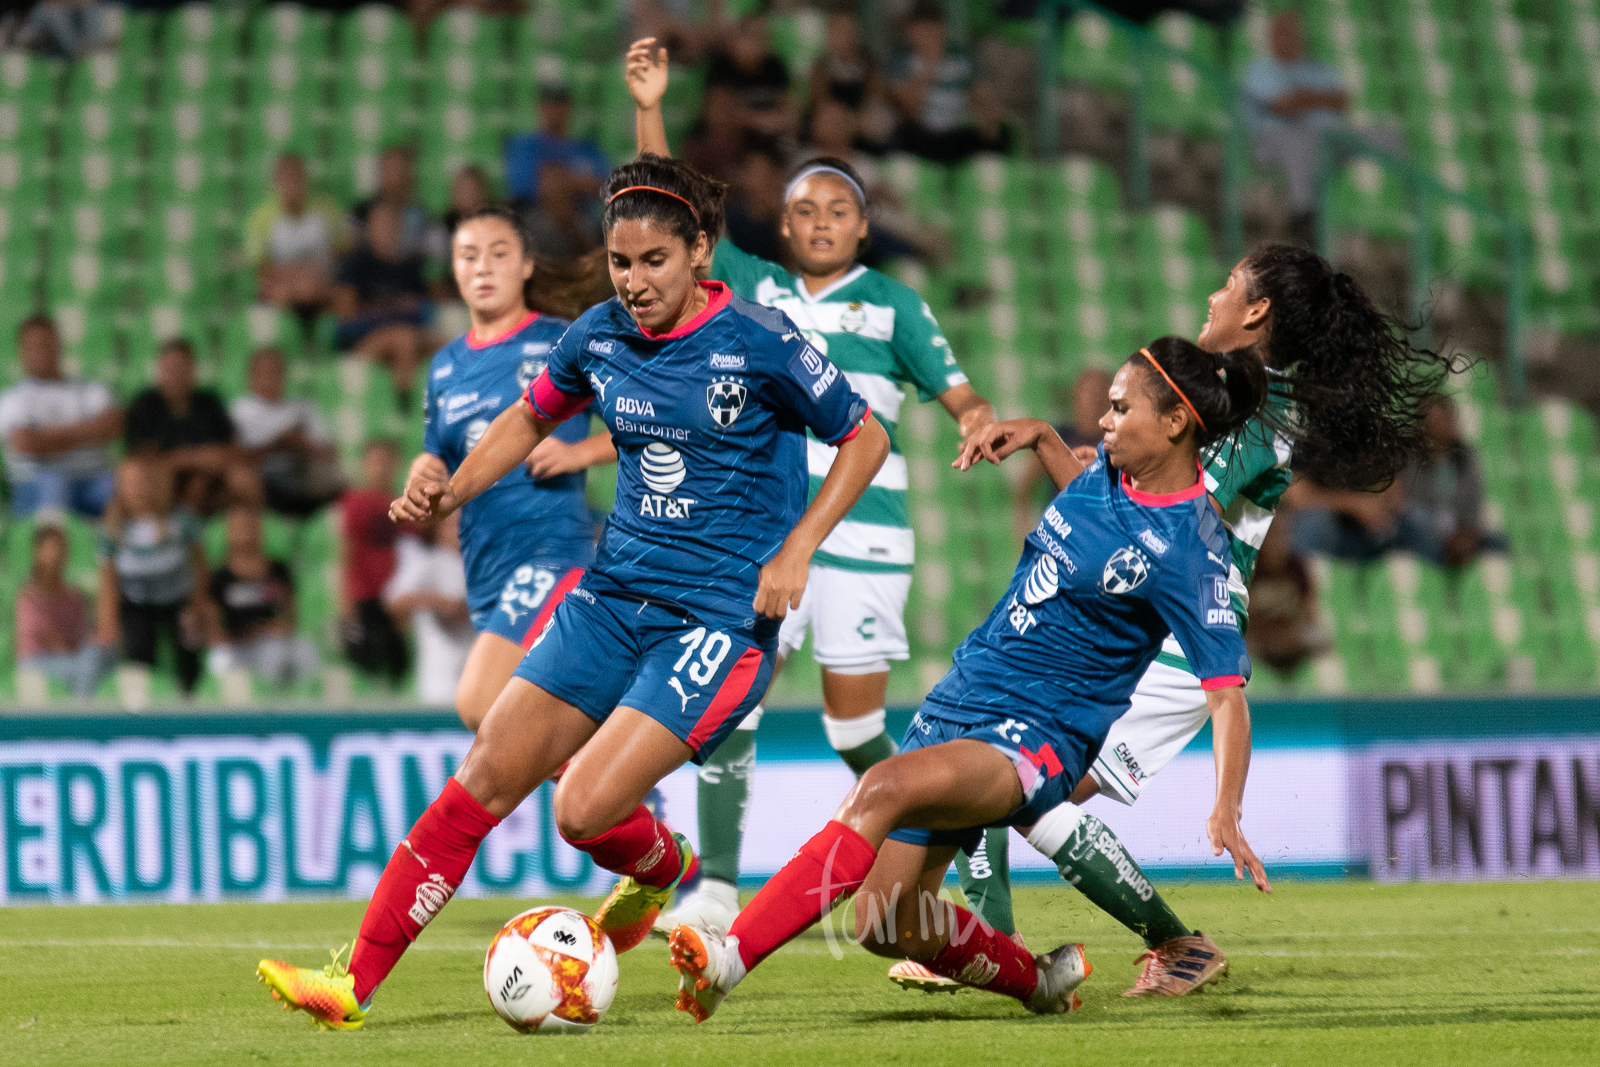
x=1359 y=385
x=564 y=288
x=690 y=204
x=1227 y=389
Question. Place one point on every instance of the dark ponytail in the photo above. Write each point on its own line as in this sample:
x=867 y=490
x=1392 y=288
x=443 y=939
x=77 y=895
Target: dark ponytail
x=1359 y=386
x=666 y=191
x=1226 y=389
x=564 y=288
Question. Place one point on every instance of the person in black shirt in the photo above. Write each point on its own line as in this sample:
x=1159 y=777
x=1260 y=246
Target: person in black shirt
x=253 y=622
x=747 y=65
x=190 y=429
x=381 y=298
x=756 y=207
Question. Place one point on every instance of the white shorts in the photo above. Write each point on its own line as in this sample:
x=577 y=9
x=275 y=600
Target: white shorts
x=1168 y=709
x=857 y=620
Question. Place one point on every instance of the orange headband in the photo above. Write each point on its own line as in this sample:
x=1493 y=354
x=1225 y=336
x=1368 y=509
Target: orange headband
x=663 y=192
x=1145 y=352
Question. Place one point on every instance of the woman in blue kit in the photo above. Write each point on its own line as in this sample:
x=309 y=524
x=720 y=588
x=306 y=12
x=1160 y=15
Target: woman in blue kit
x=1129 y=550
x=525 y=540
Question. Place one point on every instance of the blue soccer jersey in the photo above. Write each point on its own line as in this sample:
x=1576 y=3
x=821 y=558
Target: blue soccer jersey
x=1103 y=578
x=709 y=423
x=517 y=521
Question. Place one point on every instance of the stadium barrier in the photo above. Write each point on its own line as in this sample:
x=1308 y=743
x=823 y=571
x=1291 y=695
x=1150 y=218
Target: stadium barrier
x=272 y=806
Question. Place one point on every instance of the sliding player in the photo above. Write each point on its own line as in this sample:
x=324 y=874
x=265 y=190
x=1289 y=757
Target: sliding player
x=669 y=640
x=1355 y=388
x=1128 y=551
x=527 y=539
x=881 y=334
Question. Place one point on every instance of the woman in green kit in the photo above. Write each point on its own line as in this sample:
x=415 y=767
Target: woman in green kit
x=881 y=334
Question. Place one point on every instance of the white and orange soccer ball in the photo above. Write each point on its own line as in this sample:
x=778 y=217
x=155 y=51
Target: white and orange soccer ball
x=550 y=970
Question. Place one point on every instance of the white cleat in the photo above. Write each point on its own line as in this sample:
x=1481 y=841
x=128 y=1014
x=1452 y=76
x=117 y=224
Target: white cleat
x=1060 y=974
x=708 y=967
x=712 y=906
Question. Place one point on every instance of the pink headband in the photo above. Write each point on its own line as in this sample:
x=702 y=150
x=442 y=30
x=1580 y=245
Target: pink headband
x=1145 y=352
x=663 y=192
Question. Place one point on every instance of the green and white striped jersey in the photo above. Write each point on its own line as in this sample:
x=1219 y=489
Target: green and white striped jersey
x=881 y=334
x=1247 y=474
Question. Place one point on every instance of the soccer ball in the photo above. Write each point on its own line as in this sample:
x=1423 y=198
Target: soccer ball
x=550 y=970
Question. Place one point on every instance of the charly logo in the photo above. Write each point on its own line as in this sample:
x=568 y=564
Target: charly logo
x=475 y=431
x=662 y=468
x=1043 y=581
x=725 y=398
x=1125 y=571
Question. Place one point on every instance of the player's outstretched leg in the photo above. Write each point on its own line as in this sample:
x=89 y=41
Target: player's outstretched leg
x=1094 y=862
x=723 y=788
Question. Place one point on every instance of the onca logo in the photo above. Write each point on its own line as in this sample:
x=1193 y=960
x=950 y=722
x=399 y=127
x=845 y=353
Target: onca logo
x=1125 y=571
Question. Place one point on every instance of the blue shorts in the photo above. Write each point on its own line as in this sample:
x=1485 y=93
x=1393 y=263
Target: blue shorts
x=527 y=601
x=599 y=653
x=1049 y=762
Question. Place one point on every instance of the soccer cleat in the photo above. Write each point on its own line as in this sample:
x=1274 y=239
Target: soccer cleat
x=1060 y=974
x=1181 y=965
x=326 y=994
x=713 y=906
x=632 y=908
x=708 y=967
x=909 y=974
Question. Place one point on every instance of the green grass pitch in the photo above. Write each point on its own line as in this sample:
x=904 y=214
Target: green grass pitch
x=1323 y=973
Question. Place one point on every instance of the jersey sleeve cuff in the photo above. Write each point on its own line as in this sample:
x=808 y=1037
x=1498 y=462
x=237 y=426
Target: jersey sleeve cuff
x=855 y=428
x=1221 y=681
x=549 y=403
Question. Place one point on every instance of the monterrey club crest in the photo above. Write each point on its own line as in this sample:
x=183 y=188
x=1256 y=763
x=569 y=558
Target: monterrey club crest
x=725 y=398
x=1125 y=571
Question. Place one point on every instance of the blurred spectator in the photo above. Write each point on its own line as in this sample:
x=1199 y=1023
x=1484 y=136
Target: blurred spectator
x=287 y=440
x=429 y=588
x=56 y=430
x=366 y=562
x=1434 y=509
x=563 y=225
x=717 y=139
x=53 y=621
x=253 y=617
x=671 y=23
x=527 y=153
x=469 y=191
x=944 y=115
x=397 y=187
x=192 y=432
x=1285 y=630
x=1082 y=434
x=846 y=73
x=152 y=571
x=756 y=76
x=756 y=207
x=382 y=301
x=293 y=240
x=63 y=29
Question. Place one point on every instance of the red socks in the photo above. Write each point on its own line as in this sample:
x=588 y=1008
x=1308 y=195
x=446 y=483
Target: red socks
x=639 y=845
x=978 y=955
x=831 y=865
x=422 y=876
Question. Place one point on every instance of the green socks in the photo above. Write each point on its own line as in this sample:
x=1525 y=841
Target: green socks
x=860 y=742
x=986 y=879
x=1094 y=862
x=724 y=797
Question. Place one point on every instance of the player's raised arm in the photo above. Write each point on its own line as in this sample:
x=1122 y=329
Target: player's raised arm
x=997 y=440
x=646 y=72
x=1230 y=740
x=783 y=580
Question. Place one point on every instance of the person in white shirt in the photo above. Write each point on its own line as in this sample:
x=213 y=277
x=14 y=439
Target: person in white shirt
x=287 y=439
x=429 y=586
x=56 y=430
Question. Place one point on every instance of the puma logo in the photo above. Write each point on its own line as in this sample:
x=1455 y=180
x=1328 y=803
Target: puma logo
x=684 y=697
x=599 y=386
